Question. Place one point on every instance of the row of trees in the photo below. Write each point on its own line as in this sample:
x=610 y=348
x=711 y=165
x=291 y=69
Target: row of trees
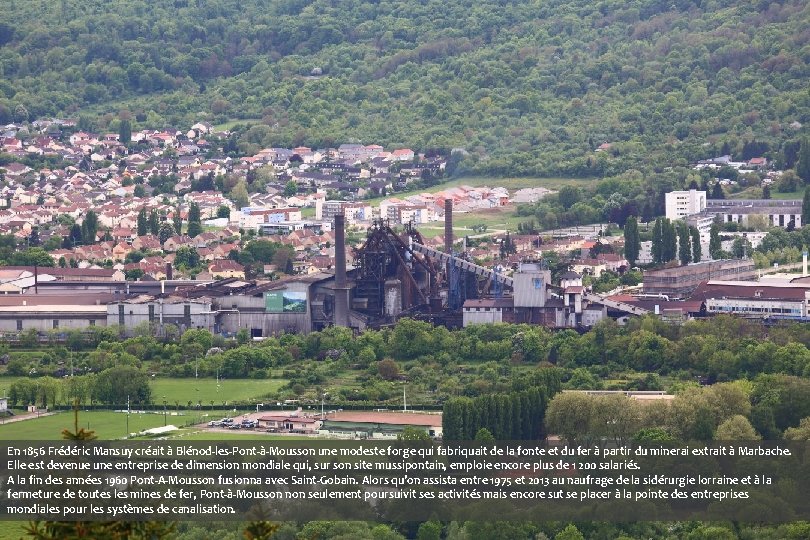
x=671 y=241
x=769 y=407
x=112 y=386
x=513 y=416
x=152 y=223
x=720 y=348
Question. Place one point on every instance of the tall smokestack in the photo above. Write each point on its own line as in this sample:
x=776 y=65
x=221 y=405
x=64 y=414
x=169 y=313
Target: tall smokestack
x=448 y=234
x=448 y=226
x=341 y=289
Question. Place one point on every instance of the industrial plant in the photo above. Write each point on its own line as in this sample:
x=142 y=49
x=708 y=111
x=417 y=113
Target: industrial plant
x=393 y=274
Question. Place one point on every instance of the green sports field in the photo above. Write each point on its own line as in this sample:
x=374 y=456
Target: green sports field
x=206 y=390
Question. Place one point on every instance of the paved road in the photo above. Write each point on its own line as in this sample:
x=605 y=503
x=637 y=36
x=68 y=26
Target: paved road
x=24 y=416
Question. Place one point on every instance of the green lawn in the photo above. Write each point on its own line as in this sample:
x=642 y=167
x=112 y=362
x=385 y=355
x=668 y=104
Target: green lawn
x=12 y=530
x=756 y=193
x=791 y=195
x=106 y=424
x=205 y=390
x=496 y=219
x=229 y=124
x=239 y=436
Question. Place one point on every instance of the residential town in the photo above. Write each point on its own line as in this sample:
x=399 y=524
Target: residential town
x=288 y=195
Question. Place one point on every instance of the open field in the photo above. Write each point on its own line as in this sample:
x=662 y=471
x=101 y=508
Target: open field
x=240 y=436
x=756 y=193
x=204 y=389
x=106 y=424
x=511 y=184
x=790 y=195
x=496 y=219
x=12 y=530
x=229 y=124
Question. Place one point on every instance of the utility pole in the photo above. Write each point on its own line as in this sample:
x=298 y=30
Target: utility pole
x=127 y=434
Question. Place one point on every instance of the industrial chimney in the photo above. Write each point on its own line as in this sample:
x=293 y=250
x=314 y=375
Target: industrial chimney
x=448 y=226
x=341 y=286
x=448 y=234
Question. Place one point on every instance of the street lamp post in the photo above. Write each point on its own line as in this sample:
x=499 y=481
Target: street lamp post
x=164 y=410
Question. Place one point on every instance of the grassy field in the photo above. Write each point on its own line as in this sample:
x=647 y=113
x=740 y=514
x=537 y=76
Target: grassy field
x=496 y=219
x=240 y=436
x=106 y=424
x=756 y=193
x=790 y=195
x=229 y=125
x=511 y=184
x=12 y=530
x=204 y=390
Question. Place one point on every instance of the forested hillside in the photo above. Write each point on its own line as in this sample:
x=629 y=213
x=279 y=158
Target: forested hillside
x=526 y=87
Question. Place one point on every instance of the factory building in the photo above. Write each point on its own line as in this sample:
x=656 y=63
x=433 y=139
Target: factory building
x=680 y=281
x=183 y=313
x=774 y=212
x=755 y=299
x=536 y=301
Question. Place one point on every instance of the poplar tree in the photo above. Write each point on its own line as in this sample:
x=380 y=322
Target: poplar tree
x=177 y=221
x=154 y=222
x=803 y=163
x=714 y=241
x=632 y=241
x=684 y=243
x=194 y=224
x=696 y=247
x=142 y=222
x=806 y=207
x=657 y=241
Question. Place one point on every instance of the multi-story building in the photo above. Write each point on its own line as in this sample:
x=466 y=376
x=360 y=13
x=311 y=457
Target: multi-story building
x=680 y=204
x=772 y=212
x=354 y=211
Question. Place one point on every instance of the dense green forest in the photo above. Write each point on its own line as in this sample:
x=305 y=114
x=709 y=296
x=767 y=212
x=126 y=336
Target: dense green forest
x=525 y=87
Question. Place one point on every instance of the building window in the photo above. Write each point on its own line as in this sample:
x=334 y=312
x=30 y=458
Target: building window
x=187 y=311
x=55 y=324
x=92 y=322
x=151 y=312
x=120 y=314
x=19 y=324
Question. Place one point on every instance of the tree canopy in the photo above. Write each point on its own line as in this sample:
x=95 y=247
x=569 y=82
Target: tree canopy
x=525 y=88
